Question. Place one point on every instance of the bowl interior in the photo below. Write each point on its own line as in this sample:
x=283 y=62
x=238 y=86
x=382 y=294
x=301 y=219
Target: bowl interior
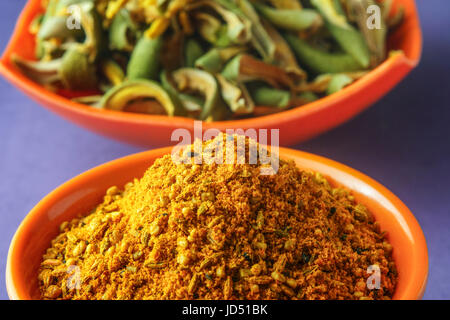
x=81 y=194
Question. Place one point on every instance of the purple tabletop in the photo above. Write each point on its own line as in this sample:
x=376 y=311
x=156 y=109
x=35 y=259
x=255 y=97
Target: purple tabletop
x=402 y=141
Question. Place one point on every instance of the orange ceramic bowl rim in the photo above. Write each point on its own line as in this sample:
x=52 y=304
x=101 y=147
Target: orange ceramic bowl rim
x=410 y=249
x=402 y=63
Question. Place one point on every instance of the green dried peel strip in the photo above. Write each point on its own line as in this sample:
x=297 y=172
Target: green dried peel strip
x=121 y=96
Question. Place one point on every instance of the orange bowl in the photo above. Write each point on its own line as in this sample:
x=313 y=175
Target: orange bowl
x=84 y=192
x=295 y=125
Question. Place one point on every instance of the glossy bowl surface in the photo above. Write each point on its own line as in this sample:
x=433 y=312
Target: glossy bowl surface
x=85 y=191
x=295 y=125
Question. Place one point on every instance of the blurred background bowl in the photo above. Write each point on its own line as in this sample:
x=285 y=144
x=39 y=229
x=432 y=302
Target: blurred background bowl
x=296 y=125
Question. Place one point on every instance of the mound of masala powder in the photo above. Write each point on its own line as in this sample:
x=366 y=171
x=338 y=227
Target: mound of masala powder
x=220 y=231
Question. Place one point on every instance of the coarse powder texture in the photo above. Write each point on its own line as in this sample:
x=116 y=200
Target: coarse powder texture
x=209 y=231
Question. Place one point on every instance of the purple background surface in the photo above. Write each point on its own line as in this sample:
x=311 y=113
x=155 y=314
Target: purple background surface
x=402 y=141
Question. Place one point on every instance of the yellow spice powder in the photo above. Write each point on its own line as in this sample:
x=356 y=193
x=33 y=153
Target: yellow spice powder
x=211 y=231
